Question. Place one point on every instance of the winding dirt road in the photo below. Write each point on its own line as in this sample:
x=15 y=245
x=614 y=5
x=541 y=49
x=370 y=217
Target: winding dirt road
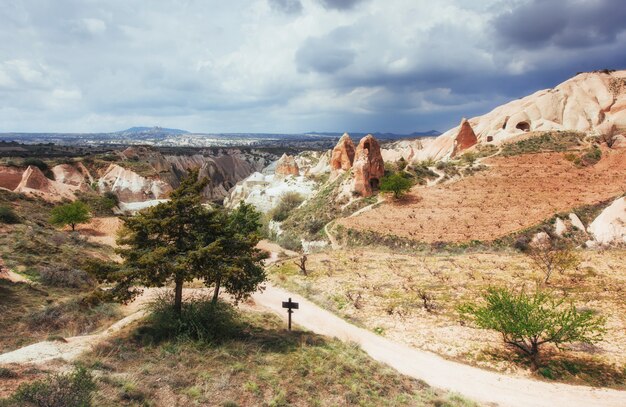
x=477 y=384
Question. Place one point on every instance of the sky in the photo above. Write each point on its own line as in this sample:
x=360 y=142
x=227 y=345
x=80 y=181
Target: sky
x=290 y=66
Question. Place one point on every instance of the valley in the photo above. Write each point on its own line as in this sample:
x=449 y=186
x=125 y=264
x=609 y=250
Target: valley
x=153 y=274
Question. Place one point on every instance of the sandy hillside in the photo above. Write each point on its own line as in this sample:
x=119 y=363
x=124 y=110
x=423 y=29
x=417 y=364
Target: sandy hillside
x=514 y=193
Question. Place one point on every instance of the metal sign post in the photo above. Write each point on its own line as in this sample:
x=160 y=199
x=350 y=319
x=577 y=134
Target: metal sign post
x=290 y=307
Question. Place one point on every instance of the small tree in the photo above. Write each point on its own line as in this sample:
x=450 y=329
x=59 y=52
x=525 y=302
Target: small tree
x=397 y=184
x=527 y=321
x=70 y=214
x=552 y=254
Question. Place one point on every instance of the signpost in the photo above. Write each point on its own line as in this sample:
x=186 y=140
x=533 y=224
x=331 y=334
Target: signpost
x=290 y=307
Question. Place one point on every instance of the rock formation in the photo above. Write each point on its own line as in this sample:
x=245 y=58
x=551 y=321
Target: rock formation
x=130 y=186
x=369 y=166
x=464 y=139
x=35 y=183
x=286 y=166
x=610 y=226
x=343 y=154
x=75 y=175
x=10 y=177
x=583 y=103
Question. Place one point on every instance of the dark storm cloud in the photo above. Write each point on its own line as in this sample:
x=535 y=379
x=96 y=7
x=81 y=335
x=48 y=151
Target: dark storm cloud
x=340 y=4
x=562 y=23
x=286 y=6
x=327 y=54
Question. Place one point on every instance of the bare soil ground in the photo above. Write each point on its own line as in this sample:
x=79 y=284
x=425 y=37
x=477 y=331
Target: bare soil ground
x=513 y=194
x=381 y=291
x=101 y=230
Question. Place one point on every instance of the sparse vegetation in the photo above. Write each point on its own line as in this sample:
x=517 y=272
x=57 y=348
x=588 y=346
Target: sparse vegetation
x=73 y=389
x=552 y=254
x=544 y=141
x=288 y=202
x=412 y=295
x=257 y=363
x=528 y=321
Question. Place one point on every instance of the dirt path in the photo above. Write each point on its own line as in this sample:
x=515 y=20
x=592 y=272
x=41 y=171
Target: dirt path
x=480 y=385
x=333 y=242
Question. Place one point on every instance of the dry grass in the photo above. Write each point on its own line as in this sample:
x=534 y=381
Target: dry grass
x=413 y=299
x=515 y=193
x=263 y=365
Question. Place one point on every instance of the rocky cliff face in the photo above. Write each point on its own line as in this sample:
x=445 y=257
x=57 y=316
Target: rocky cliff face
x=589 y=102
x=223 y=169
x=34 y=183
x=130 y=186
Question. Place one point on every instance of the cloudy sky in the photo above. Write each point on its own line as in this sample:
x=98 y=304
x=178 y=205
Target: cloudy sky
x=290 y=65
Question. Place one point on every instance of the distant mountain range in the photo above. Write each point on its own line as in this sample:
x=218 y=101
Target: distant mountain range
x=161 y=136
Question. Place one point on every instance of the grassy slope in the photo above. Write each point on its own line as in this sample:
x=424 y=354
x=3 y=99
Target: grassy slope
x=32 y=313
x=263 y=365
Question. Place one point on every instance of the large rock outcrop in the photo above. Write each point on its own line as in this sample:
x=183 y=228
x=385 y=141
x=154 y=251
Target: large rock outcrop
x=464 y=139
x=610 y=226
x=286 y=166
x=342 y=156
x=35 y=183
x=76 y=175
x=369 y=166
x=265 y=191
x=130 y=186
x=10 y=177
x=583 y=103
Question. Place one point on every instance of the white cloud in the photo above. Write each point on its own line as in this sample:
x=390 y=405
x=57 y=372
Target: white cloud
x=266 y=65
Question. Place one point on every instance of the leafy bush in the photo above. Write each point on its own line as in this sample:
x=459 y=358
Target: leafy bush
x=8 y=215
x=396 y=184
x=528 y=321
x=288 y=202
x=59 y=277
x=73 y=389
x=199 y=319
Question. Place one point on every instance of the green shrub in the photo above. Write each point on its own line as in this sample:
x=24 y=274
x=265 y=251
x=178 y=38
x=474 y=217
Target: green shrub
x=8 y=215
x=199 y=320
x=528 y=321
x=60 y=390
x=288 y=202
x=396 y=184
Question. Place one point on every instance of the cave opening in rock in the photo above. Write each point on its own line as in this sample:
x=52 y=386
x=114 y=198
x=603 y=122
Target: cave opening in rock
x=366 y=147
x=524 y=126
x=489 y=139
x=374 y=183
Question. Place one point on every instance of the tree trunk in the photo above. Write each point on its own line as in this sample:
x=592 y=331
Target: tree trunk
x=178 y=296
x=216 y=292
x=73 y=225
x=534 y=356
